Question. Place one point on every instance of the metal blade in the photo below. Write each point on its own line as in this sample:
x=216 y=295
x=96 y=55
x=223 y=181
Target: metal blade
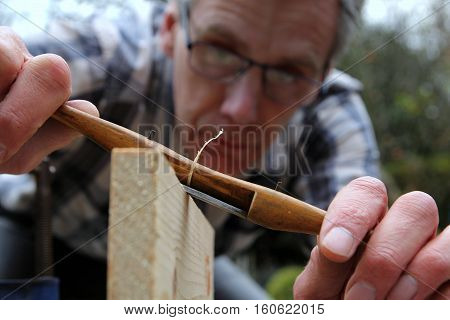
x=215 y=202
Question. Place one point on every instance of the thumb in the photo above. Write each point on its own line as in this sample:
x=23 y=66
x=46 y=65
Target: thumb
x=351 y=215
x=322 y=278
x=84 y=106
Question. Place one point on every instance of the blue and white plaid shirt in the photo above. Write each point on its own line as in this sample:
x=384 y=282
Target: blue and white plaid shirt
x=119 y=67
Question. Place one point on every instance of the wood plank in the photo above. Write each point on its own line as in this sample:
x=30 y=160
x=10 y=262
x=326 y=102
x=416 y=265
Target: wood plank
x=160 y=246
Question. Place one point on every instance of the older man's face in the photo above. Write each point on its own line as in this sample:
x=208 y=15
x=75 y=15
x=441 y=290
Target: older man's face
x=292 y=35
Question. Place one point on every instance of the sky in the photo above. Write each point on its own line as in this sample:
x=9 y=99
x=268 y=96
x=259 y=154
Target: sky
x=387 y=11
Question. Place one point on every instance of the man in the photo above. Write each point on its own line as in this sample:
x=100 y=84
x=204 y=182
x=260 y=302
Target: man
x=233 y=64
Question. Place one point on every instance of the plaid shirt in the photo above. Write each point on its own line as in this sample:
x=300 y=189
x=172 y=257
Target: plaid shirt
x=119 y=67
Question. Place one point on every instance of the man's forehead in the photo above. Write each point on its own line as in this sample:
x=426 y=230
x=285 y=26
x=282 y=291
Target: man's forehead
x=294 y=26
x=270 y=12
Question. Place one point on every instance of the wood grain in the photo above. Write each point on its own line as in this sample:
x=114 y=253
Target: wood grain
x=266 y=207
x=160 y=246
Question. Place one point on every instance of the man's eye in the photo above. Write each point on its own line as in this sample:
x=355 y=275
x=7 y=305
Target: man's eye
x=216 y=55
x=280 y=76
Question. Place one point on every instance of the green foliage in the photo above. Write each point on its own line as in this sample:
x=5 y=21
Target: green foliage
x=407 y=95
x=281 y=282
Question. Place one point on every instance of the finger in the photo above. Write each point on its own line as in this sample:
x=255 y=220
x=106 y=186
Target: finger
x=322 y=278
x=13 y=55
x=428 y=271
x=50 y=137
x=355 y=210
x=443 y=292
x=408 y=225
x=40 y=88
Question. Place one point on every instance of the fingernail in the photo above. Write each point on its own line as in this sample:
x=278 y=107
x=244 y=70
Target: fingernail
x=405 y=288
x=340 y=241
x=361 y=291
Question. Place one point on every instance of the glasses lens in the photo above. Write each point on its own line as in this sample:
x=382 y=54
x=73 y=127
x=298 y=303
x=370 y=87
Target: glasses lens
x=289 y=88
x=215 y=62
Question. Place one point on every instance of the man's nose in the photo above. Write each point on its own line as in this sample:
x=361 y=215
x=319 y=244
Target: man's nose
x=242 y=98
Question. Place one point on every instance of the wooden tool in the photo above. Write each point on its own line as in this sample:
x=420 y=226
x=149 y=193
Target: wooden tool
x=260 y=205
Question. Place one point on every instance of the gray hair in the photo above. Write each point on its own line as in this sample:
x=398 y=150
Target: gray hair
x=349 y=18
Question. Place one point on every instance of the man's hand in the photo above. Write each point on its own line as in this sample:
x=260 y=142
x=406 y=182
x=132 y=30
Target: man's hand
x=31 y=89
x=402 y=259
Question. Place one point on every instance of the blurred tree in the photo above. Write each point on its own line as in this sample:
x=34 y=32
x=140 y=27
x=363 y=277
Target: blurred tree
x=407 y=92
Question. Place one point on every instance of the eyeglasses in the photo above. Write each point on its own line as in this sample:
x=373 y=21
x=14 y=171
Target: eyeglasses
x=223 y=65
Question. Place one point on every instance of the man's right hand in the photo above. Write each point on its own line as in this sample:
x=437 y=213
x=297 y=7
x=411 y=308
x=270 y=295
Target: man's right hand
x=31 y=90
